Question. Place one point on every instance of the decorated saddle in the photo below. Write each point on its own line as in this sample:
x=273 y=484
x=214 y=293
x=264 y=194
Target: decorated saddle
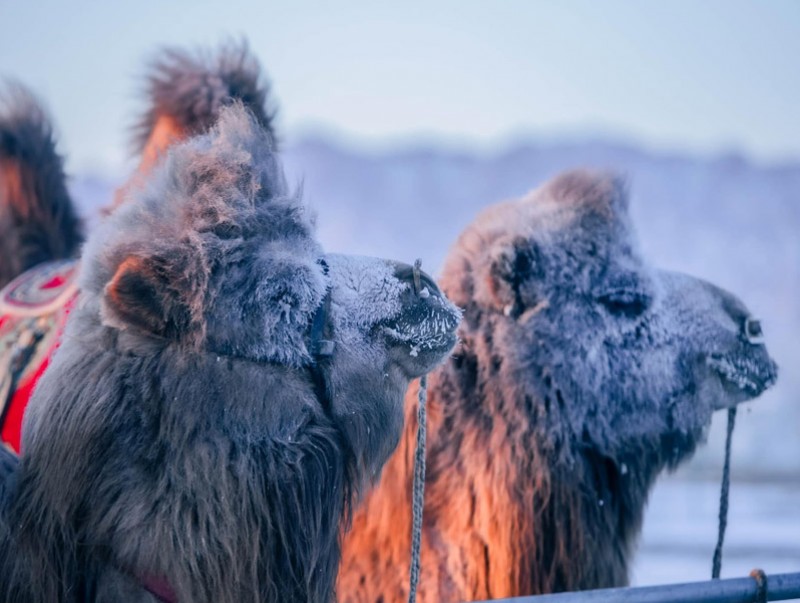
x=33 y=311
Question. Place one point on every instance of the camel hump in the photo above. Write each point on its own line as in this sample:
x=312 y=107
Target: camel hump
x=41 y=290
x=185 y=91
x=32 y=179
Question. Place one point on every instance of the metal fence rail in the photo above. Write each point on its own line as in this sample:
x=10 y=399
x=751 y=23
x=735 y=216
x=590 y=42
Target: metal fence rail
x=780 y=587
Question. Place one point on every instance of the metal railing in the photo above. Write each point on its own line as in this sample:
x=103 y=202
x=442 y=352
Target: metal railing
x=778 y=587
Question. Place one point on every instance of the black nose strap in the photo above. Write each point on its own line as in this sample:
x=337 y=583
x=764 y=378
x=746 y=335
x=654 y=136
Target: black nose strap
x=321 y=346
x=321 y=335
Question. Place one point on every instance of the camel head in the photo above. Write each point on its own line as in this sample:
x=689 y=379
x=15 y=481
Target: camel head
x=232 y=268
x=609 y=353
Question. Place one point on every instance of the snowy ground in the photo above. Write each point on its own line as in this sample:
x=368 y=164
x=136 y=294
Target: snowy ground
x=680 y=530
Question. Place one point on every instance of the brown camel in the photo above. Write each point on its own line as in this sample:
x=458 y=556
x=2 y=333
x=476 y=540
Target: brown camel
x=582 y=373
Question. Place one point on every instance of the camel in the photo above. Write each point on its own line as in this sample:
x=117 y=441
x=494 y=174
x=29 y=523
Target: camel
x=38 y=220
x=225 y=390
x=582 y=373
x=185 y=91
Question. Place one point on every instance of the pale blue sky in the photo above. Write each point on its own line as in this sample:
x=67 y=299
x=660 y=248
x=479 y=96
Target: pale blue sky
x=703 y=76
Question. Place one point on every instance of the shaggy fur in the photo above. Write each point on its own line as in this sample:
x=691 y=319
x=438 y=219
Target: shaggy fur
x=178 y=433
x=38 y=221
x=8 y=467
x=583 y=373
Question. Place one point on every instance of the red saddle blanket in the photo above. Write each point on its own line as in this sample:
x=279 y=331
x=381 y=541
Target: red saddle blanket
x=33 y=311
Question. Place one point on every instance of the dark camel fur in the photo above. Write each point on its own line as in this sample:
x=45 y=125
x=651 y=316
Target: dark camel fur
x=38 y=219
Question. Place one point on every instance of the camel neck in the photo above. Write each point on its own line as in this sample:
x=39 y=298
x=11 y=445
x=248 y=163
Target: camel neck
x=510 y=513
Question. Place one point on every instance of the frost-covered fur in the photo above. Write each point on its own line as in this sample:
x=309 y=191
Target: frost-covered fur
x=38 y=221
x=178 y=433
x=583 y=373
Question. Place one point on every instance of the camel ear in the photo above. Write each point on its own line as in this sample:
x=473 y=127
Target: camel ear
x=514 y=266
x=139 y=296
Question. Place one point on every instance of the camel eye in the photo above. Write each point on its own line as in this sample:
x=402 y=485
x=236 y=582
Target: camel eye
x=227 y=230
x=629 y=303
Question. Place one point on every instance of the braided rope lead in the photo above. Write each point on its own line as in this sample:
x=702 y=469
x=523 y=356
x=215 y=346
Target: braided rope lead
x=419 y=489
x=723 y=497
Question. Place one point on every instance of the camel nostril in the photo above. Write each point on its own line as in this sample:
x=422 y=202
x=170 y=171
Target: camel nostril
x=422 y=285
x=752 y=330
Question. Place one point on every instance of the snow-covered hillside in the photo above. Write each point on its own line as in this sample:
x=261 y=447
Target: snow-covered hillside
x=726 y=219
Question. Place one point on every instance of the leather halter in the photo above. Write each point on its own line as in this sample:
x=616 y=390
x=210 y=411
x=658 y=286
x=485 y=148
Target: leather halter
x=321 y=348
x=321 y=333
x=321 y=344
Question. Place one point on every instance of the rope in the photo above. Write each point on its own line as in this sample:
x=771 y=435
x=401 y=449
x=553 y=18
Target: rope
x=723 y=497
x=419 y=490
x=418 y=495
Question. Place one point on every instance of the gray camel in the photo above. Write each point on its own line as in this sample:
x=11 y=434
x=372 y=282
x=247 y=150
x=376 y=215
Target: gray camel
x=224 y=391
x=582 y=374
